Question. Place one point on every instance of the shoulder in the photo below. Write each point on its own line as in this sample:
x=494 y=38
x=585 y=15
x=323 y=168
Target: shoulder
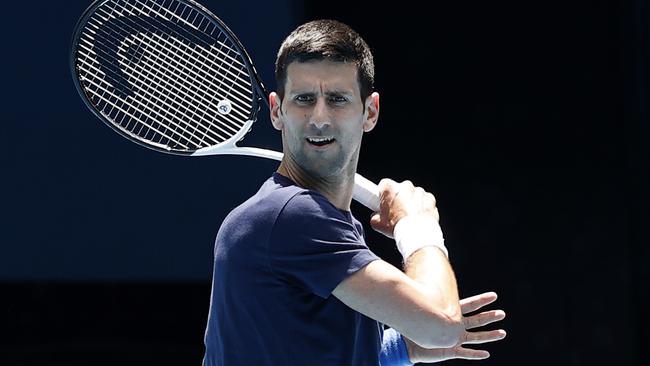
x=309 y=206
x=293 y=201
x=267 y=202
x=309 y=217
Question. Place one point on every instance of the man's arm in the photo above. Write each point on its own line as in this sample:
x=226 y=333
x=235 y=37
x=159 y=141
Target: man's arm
x=400 y=351
x=422 y=303
x=468 y=305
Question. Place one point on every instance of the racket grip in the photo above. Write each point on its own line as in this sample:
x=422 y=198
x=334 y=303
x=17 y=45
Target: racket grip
x=366 y=193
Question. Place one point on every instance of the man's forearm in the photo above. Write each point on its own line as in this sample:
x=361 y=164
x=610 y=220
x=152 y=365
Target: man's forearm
x=430 y=267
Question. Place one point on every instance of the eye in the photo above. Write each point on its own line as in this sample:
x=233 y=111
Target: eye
x=337 y=99
x=304 y=98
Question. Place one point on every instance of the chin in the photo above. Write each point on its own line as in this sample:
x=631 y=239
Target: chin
x=330 y=171
x=325 y=166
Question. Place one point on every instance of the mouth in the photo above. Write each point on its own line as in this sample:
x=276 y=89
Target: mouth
x=320 y=140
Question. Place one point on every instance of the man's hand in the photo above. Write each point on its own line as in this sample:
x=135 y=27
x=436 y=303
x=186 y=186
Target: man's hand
x=398 y=200
x=468 y=305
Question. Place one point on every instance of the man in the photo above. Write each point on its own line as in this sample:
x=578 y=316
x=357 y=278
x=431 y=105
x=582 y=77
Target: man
x=294 y=282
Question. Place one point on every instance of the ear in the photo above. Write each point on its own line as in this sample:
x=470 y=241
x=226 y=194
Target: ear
x=276 y=112
x=372 y=110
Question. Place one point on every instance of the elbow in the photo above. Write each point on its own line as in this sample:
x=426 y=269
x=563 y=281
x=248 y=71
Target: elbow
x=453 y=331
x=449 y=331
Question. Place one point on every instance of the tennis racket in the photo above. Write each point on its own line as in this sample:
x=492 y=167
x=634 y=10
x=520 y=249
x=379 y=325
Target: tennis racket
x=170 y=75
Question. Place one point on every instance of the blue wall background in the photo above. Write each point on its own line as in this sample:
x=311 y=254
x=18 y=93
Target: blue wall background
x=83 y=204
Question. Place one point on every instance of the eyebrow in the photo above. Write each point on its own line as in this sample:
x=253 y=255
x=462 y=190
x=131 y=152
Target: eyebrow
x=327 y=93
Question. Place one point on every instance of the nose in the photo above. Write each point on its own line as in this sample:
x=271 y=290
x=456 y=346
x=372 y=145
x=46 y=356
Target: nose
x=320 y=114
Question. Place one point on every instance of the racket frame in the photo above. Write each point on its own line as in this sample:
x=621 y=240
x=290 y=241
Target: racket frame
x=228 y=146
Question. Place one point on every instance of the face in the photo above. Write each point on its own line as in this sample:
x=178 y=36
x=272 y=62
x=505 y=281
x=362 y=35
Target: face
x=322 y=117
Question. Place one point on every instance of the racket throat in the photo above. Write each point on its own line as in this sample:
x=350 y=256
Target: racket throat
x=232 y=149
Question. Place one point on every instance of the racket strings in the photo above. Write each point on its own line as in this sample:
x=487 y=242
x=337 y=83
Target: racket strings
x=170 y=92
x=242 y=68
x=176 y=84
x=120 y=108
x=139 y=131
x=176 y=69
x=201 y=57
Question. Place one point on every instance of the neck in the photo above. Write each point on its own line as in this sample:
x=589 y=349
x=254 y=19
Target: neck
x=337 y=189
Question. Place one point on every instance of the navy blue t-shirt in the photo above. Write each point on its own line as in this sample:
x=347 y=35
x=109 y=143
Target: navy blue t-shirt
x=278 y=257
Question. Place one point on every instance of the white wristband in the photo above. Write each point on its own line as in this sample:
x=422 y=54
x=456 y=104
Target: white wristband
x=418 y=231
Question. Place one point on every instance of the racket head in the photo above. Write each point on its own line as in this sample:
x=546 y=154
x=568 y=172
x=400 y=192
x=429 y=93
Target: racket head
x=166 y=74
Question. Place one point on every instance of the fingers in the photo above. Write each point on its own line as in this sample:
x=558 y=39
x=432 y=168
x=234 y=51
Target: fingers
x=471 y=354
x=476 y=302
x=469 y=305
x=484 y=337
x=485 y=318
x=375 y=219
x=380 y=225
x=408 y=184
x=387 y=188
x=444 y=354
x=398 y=200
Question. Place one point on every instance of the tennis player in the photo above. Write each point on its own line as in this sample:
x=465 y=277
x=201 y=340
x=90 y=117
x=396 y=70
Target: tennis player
x=294 y=282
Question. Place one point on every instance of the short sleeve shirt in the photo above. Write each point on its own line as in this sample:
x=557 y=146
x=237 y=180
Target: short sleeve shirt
x=278 y=257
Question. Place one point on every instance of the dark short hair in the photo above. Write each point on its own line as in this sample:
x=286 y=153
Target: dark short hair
x=326 y=40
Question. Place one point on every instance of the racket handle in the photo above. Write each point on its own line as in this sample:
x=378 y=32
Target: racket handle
x=366 y=193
